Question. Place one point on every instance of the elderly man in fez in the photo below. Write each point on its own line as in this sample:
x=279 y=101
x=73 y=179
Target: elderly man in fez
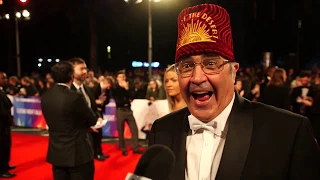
x=221 y=135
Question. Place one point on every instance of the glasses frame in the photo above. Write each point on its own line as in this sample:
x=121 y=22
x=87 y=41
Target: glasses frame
x=176 y=67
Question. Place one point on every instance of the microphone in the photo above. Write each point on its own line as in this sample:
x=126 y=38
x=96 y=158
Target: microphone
x=156 y=163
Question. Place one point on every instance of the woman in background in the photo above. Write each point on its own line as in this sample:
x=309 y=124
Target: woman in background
x=153 y=91
x=174 y=97
x=172 y=88
x=276 y=94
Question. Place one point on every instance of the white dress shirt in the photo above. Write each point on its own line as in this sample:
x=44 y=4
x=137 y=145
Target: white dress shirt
x=204 y=147
x=83 y=92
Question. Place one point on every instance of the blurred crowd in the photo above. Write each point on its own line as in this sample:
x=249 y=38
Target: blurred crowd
x=286 y=89
x=298 y=92
x=36 y=84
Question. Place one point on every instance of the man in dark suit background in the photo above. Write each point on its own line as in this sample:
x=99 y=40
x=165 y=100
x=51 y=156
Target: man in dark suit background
x=78 y=85
x=102 y=93
x=221 y=135
x=68 y=116
x=302 y=96
x=6 y=120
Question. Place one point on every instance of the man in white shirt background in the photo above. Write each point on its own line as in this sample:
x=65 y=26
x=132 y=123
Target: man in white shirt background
x=221 y=135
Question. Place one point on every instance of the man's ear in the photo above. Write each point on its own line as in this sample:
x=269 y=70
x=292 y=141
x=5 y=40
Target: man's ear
x=235 y=68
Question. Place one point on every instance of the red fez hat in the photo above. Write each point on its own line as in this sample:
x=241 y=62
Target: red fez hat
x=204 y=28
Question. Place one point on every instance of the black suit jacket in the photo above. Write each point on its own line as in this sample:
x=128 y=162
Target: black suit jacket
x=97 y=92
x=5 y=111
x=92 y=99
x=315 y=117
x=68 y=117
x=263 y=142
x=264 y=84
x=122 y=96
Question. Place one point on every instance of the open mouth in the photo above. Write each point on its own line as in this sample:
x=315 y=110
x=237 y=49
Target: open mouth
x=202 y=96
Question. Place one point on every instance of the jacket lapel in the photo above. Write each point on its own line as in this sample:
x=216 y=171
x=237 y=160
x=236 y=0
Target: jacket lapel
x=179 y=147
x=238 y=140
x=73 y=88
x=89 y=93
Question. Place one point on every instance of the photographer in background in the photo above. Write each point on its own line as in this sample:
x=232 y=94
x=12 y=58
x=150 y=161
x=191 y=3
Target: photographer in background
x=28 y=88
x=123 y=97
x=14 y=86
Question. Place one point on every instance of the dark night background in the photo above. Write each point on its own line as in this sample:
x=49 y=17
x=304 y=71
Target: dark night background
x=61 y=29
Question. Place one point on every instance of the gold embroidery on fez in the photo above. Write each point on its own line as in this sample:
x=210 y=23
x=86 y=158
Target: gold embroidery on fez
x=196 y=32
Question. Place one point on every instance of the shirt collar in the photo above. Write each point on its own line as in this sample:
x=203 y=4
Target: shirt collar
x=77 y=86
x=63 y=84
x=221 y=119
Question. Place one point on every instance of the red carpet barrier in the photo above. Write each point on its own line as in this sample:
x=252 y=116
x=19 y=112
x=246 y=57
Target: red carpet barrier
x=27 y=113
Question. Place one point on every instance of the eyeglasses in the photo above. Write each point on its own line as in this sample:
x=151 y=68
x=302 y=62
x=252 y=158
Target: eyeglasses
x=209 y=66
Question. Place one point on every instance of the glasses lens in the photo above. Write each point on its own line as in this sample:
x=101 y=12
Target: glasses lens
x=185 y=67
x=209 y=66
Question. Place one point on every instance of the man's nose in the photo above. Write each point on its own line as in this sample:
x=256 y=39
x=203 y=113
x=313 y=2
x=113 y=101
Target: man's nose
x=198 y=76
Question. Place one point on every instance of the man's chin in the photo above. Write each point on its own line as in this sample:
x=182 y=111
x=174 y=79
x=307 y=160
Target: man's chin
x=80 y=79
x=203 y=114
x=202 y=117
